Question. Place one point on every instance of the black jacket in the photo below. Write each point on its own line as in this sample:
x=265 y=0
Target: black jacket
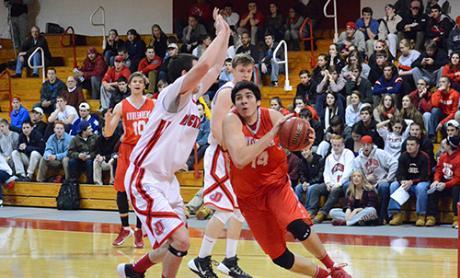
x=440 y=59
x=35 y=142
x=416 y=169
x=311 y=172
x=106 y=146
x=30 y=45
x=308 y=92
x=407 y=18
x=426 y=146
x=251 y=51
x=371 y=130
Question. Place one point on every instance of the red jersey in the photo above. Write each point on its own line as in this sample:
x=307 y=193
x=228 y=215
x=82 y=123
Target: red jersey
x=269 y=169
x=135 y=119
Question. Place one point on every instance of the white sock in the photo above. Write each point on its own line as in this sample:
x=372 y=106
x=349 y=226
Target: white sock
x=230 y=251
x=206 y=246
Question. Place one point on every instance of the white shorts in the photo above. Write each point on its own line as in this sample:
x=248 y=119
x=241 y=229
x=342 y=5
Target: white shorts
x=157 y=202
x=218 y=192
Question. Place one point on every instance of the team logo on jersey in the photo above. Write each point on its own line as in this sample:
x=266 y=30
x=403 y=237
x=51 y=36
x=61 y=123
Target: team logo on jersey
x=191 y=121
x=413 y=169
x=447 y=171
x=371 y=165
x=338 y=167
x=216 y=197
x=159 y=228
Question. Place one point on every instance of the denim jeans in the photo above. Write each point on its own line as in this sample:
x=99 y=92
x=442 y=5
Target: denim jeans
x=315 y=192
x=298 y=192
x=427 y=123
x=420 y=192
x=275 y=70
x=4 y=176
x=433 y=200
x=77 y=165
x=367 y=214
x=36 y=61
x=436 y=115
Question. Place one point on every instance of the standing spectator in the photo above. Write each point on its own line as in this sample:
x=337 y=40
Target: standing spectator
x=274 y=23
x=247 y=47
x=389 y=83
x=91 y=72
x=356 y=82
x=413 y=175
x=293 y=24
x=307 y=87
x=421 y=99
x=72 y=94
x=352 y=36
x=18 y=115
x=106 y=156
x=29 y=152
x=429 y=63
x=109 y=82
x=49 y=91
x=85 y=115
x=446 y=181
x=192 y=33
x=388 y=28
x=452 y=70
x=9 y=141
x=267 y=63
x=230 y=16
x=445 y=104
x=112 y=47
x=311 y=169
x=159 y=41
x=136 y=49
x=55 y=154
x=394 y=132
x=149 y=67
x=19 y=20
x=252 y=22
x=438 y=27
x=37 y=121
x=35 y=41
x=453 y=42
x=82 y=150
x=64 y=113
x=413 y=24
x=201 y=142
x=369 y=27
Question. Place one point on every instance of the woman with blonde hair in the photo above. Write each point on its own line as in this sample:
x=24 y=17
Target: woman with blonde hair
x=361 y=205
x=386 y=109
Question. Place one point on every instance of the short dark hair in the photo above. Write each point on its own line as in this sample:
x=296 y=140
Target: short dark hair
x=336 y=120
x=246 y=85
x=228 y=60
x=27 y=122
x=436 y=7
x=149 y=47
x=51 y=68
x=367 y=10
x=122 y=79
x=366 y=109
x=304 y=71
x=413 y=138
x=179 y=63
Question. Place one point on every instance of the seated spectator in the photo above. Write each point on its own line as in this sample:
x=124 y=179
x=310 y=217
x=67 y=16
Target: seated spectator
x=379 y=46
x=18 y=115
x=361 y=203
x=109 y=82
x=376 y=69
x=429 y=63
x=149 y=67
x=82 y=151
x=337 y=170
x=203 y=44
x=389 y=83
x=352 y=36
x=394 y=132
x=29 y=152
x=426 y=145
x=307 y=87
x=444 y=4
x=85 y=115
x=406 y=59
x=252 y=22
x=334 y=57
x=311 y=169
x=91 y=72
x=300 y=104
x=6 y=177
x=136 y=49
x=35 y=41
x=446 y=181
x=172 y=51
x=9 y=141
x=247 y=47
x=123 y=52
x=333 y=82
x=37 y=120
x=445 y=104
x=293 y=24
x=226 y=74
x=276 y=104
x=192 y=33
x=112 y=46
x=452 y=70
x=106 y=157
x=55 y=154
x=72 y=94
x=322 y=64
x=355 y=82
x=275 y=23
x=409 y=111
x=452 y=129
x=159 y=41
x=369 y=126
x=49 y=91
x=369 y=27
x=316 y=125
x=64 y=113
x=354 y=59
x=231 y=17
x=438 y=26
x=336 y=127
x=413 y=24
x=267 y=63
x=121 y=92
x=353 y=143
x=453 y=41
x=201 y=142
x=328 y=107
x=388 y=28
x=413 y=175
x=352 y=112
x=421 y=100
x=386 y=109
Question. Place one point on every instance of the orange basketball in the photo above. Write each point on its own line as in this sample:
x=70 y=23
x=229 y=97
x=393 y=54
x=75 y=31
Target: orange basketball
x=294 y=134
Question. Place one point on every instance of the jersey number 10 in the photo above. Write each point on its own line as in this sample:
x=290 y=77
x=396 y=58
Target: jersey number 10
x=138 y=127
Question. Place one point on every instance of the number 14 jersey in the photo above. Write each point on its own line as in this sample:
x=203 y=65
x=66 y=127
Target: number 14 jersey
x=135 y=119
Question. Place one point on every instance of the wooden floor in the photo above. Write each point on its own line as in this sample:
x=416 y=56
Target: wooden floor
x=38 y=248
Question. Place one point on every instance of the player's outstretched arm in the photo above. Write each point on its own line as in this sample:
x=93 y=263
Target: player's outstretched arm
x=222 y=105
x=112 y=118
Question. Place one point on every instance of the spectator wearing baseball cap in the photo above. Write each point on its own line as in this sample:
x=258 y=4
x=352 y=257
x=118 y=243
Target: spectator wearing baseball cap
x=84 y=112
x=18 y=115
x=90 y=74
x=36 y=118
x=352 y=36
x=82 y=150
x=452 y=128
x=109 y=82
x=173 y=51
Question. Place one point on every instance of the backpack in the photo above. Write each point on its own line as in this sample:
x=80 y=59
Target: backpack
x=69 y=196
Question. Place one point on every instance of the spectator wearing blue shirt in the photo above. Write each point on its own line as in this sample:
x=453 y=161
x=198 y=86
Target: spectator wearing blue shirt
x=18 y=115
x=370 y=28
x=85 y=114
x=389 y=83
x=202 y=139
x=55 y=154
x=226 y=74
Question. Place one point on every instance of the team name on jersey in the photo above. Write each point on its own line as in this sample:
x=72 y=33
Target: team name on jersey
x=191 y=121
x=252 y=141
x=133 y=116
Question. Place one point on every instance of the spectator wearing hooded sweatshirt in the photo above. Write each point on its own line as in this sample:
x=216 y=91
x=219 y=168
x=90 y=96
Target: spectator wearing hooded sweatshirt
x=18 y=115
x=91 y=72
x=445 y=104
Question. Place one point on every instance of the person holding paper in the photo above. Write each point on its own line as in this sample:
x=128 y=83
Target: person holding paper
x=413 y=175
x=446 y=181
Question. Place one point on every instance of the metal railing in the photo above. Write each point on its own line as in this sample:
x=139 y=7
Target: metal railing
x=91 y=20
x=42 y=66
x=311 y=38
x=336 y=30
x=287 y=85
x=71 y=37
x=9 y=90
x=196 y=172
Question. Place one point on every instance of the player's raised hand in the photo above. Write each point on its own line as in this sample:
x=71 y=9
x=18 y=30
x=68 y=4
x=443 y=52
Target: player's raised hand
x=280 y=122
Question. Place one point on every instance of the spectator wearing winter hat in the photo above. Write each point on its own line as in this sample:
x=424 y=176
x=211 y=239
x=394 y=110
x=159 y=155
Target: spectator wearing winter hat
x=82 y=151
x=136 y=49
x=351 y=36
x=90 y=74
x=18 y=115
x=109 y=82
x=84 y=111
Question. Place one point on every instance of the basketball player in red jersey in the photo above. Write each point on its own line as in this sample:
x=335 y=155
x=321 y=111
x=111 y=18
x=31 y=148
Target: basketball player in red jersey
x=259 y=175
x=134 y=112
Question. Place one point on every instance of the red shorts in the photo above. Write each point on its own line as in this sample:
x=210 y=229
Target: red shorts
x=269 y=214
x=124 y=152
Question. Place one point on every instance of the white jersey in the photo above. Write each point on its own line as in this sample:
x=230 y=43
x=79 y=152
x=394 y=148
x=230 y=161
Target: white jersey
x=168 y=138
x=228 y=85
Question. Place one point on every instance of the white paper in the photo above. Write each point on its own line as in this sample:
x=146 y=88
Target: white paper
x=400 y=196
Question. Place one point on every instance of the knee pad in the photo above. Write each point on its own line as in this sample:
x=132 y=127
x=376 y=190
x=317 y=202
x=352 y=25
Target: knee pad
x=299 y=229
x=122 y=202
x=223 y=216
x=238 y=216
x=286 y=260
x=176 y=252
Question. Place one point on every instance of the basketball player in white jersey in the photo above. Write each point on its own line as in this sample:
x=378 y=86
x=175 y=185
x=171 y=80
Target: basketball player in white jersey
x=218 y=193
x=163 y=149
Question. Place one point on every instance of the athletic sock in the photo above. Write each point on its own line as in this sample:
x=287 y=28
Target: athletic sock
x=142 y=264
x=206 y=246
x=327 y=261
x=321 y=273
x=124 y=221
x=230 y=250
x=138 y=223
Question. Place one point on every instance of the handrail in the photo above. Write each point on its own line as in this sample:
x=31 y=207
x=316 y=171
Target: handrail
x=42 y=66
x=336 y=30
x=9 y=90
x=99 y=24
x=311 y=39
x=196 y=173
x=71 y=43
x=287 y=86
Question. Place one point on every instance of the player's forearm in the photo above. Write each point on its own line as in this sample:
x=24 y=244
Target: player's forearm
x=247 y=154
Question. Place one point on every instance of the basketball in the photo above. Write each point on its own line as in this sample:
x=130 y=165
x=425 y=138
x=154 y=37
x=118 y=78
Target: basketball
x=294 y=134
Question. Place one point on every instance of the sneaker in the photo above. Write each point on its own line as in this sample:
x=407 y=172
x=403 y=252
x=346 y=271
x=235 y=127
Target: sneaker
x=230 y=267
x=275 y=83
x=9 y=183
x=122 y=236
x=203 y=213
x=339 y=222
x=138 y=239
x=430 y=221
x=455 y=224
x=420 y=220
x=127 y=271
x=337 y=271
x=187 y=212
x=319 y=218
x=1 y=203
x=397 y=219
x=202 y=267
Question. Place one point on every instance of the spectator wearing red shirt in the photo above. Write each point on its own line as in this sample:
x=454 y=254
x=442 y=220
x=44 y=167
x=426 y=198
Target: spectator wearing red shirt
x=91 y=72
x=445 y=105
x=149 y=66
x=252 y=22
x=109 y=82
x=452 y=70
x=421 y=98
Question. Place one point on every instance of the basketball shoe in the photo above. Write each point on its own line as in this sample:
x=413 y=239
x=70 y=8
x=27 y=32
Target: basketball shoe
x=122 y=236
x=127 y=271
x=230 y=267
x=337 y=271
x=138 y=239
x=202 y=267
